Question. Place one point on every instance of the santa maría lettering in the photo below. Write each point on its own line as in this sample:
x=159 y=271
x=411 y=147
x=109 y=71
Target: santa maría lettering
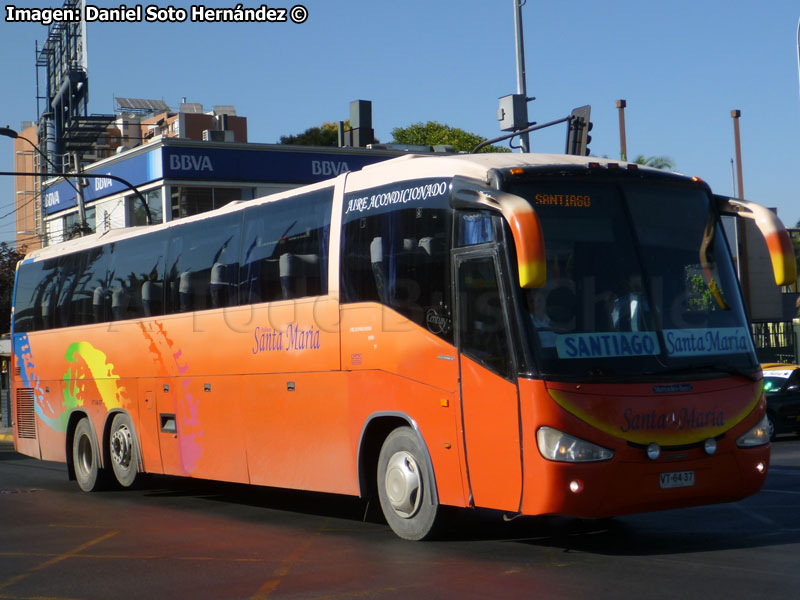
x=294 y=337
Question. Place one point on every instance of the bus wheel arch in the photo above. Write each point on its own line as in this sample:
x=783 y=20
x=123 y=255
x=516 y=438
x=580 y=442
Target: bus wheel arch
x=121 y=450
x=396 y=468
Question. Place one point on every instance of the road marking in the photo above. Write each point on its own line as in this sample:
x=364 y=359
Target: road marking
x=282 y=571
x=57 y=559
x=5 y=597
x=795 y=493
x=754 y=515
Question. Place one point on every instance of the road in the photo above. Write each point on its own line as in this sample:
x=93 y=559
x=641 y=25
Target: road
x=174 y=538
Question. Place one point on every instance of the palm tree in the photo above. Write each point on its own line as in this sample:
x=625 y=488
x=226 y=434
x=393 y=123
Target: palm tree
x=657 y=162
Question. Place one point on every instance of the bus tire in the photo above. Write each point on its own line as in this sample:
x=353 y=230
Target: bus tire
x=123 y=451
x=404 y=486
x=86 y=457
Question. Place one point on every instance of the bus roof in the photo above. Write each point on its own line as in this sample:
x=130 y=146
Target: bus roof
x=411 y=166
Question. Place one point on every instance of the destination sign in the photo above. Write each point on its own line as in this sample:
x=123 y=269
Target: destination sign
x=564 y=200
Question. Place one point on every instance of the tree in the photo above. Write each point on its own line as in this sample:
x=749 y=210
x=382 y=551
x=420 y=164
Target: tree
x=9 y=257
x=326 y=134
x=433 y=133
x=657 y=162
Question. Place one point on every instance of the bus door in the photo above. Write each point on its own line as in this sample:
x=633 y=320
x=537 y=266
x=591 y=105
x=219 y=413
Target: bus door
x=489 y=395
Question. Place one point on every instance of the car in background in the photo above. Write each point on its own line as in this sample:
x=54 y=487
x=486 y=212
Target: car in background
x=782 y=387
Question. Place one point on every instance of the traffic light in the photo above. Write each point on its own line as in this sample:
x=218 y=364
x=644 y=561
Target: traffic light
x=578 y=138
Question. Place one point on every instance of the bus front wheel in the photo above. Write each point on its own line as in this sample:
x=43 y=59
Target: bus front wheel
x=404 y=486
x=123 y=450
x=85 y=457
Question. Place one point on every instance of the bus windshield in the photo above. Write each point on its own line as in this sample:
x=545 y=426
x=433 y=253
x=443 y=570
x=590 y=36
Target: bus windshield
x=640 y=282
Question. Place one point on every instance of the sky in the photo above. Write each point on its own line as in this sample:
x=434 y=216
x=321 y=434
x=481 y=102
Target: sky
x=681 y=66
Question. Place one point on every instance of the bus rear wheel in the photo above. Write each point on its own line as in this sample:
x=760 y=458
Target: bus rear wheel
x=404 y=486
x=85 y=457
x=123 y=451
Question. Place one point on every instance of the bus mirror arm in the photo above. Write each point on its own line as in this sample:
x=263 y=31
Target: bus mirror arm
x=779 y=244
x=522 y=221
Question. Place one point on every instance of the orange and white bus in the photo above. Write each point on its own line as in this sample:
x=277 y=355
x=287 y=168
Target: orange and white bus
x=535 y=334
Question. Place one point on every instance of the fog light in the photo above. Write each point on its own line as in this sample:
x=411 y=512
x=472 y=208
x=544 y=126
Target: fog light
x=653 y=451
x=761 y=467
x=576 y=486
x=710 y=446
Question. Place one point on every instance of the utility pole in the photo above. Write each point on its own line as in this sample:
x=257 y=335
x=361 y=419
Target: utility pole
x=521 y=85
x=737 y=141
x=744 y=265
x=623 y=147
x=81 y=204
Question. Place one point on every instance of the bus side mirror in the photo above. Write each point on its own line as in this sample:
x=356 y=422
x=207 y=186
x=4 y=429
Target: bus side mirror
x=781 y=251
x=522 y=220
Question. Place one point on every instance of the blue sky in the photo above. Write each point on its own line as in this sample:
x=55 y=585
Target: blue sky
x=682 y=67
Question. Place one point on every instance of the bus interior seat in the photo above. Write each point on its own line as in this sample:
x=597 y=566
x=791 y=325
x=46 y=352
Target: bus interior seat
x=299 y=275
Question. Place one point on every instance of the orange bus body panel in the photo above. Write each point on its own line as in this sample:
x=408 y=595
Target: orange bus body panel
x=492 y=432
x=630 y=482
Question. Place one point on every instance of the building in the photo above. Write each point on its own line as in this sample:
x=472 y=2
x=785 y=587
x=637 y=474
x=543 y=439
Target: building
x=180 y=163
x=178 y=178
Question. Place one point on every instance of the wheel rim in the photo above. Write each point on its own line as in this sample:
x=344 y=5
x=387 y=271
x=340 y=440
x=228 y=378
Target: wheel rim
x=121 y=447
x=85 y=455
x=770 y=428
x=403 y=484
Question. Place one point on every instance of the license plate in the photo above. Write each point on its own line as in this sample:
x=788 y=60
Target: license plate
x=677 y=479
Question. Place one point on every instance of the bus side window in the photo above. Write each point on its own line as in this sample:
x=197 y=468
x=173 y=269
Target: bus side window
x=201 y=265
x=27 y=315
x=45 y=295
x=92 y=276
x=474 y=228
x=401 y=258
x=134 y=282
x=285 y=248
x=482 y=331
x=69 y=268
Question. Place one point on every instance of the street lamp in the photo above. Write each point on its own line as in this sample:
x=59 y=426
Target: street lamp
x=124 y=182
x=8 y=132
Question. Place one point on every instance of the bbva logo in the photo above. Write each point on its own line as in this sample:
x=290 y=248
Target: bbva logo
x=189 y=162
x=328 y=167
x=51 y=199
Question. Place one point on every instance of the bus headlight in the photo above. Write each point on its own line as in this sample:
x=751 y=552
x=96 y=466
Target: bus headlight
x=757 y=436
x=559 y=446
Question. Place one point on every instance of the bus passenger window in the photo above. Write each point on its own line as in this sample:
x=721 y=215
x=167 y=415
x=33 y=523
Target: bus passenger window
x=285 y=248
x=93 y=272
x=401 y=258
x=135 y=275
x=202 y=265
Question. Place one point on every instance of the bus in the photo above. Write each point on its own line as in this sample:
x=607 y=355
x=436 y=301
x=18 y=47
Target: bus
x=534 y=334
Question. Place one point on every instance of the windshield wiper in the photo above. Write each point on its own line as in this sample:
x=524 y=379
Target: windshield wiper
x=714 y=367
